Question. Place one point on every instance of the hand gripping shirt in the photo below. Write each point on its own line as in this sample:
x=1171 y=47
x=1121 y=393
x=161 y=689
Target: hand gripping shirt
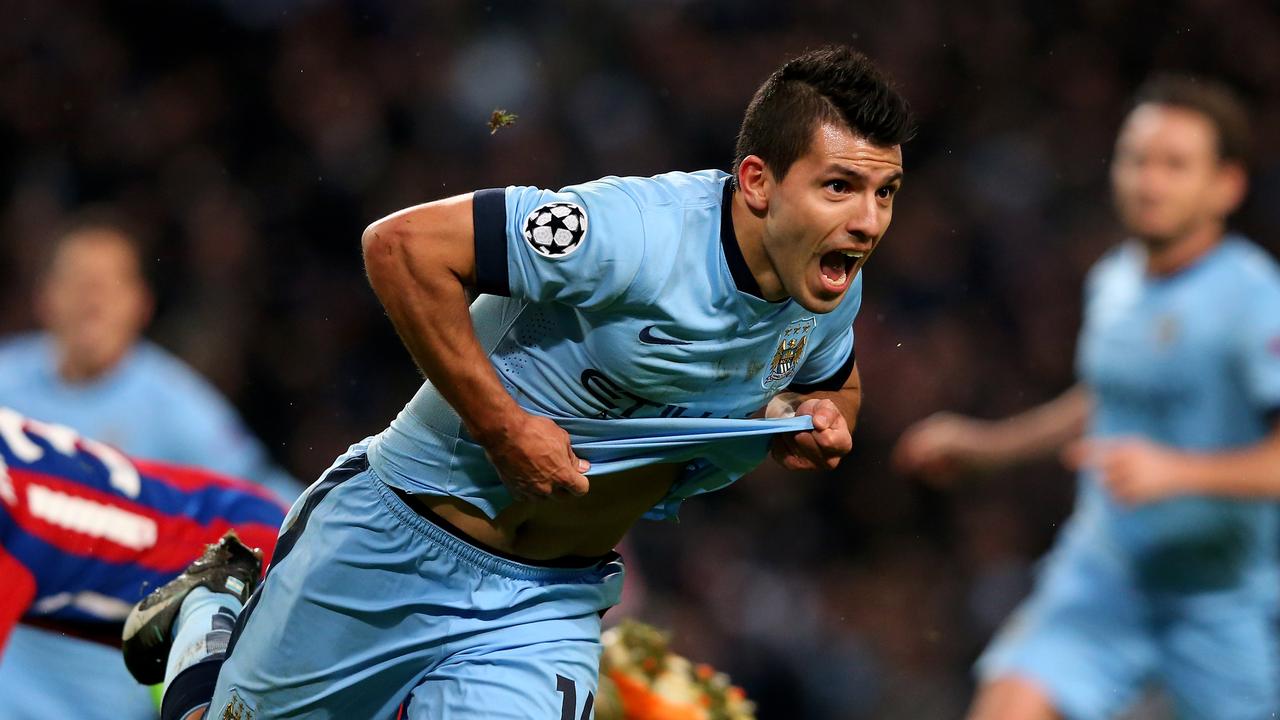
x=1191 y=361
x=623 y=309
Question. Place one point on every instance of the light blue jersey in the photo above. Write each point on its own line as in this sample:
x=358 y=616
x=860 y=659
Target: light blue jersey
x=151 y=406
x=623 y=310
x=1191 y=361
x=1183 y=591
x=620 y=300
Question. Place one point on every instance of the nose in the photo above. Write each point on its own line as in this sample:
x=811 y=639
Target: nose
x=863 y=223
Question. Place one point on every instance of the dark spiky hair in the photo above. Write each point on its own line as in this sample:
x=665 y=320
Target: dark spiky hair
x=834 y=84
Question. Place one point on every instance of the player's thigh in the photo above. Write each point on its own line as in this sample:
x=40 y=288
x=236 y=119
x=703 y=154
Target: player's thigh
x=368 y=597
x=1219 y=660
x=342 y=625
x=541 y=660
x=1081 y=637
x=546 y=680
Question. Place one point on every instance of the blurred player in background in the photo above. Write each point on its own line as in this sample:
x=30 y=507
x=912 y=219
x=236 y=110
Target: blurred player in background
x=1166 y=572
x=92 y=370
x=459 y=562
x=84 y=532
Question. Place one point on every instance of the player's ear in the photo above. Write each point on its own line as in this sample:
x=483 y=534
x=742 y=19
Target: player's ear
x=144 y=309
x=754 y=182
x=1232 y=183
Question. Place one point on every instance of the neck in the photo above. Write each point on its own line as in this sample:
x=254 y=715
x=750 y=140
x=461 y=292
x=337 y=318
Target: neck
x=1169 y=258
x=748 y=228
x=80 y=368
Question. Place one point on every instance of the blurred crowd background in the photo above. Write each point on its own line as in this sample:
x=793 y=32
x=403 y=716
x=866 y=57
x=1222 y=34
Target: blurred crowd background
x=248 y=143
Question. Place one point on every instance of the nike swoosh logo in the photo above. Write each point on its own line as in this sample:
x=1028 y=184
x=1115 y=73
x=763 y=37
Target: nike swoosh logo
x=648 y=338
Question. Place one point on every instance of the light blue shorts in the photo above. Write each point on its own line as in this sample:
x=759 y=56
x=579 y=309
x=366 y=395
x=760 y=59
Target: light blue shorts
x=369 y=607
x=1093 y=640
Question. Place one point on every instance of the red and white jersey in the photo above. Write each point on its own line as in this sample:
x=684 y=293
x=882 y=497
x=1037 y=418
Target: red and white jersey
x=85 y=531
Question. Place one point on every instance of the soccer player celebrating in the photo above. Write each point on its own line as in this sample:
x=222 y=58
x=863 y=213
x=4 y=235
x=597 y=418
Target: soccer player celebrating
x=1167 y=569
x=457 y=564
x=86 y=530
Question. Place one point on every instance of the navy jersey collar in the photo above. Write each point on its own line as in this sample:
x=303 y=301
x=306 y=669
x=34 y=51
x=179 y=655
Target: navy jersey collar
x=742 y=276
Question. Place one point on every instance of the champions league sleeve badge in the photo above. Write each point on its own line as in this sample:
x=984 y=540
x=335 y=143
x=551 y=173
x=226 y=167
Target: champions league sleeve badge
x=786 y=358
x=556 y=229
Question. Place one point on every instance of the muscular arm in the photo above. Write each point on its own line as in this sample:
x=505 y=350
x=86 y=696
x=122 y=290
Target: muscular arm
x=420 y=262
x=943 y=444
x=1039 y=432
x=1251 y=472
x=1135 y=470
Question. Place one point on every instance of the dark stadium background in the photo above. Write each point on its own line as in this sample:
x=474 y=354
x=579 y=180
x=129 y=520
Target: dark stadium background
x=252 y=140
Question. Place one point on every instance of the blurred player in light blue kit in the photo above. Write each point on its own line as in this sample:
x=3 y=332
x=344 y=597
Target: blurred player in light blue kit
x=92 y=371
x=1166 y=572
x=457 y=564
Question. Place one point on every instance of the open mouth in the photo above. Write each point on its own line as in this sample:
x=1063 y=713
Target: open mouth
x=837 y=266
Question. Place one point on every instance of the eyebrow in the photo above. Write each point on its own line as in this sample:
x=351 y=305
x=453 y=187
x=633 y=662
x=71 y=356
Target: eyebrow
x=895 y=176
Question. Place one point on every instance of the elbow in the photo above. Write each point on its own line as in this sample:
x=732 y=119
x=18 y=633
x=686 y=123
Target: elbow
x=386 y=247
x=379 y=243
x=412 y=246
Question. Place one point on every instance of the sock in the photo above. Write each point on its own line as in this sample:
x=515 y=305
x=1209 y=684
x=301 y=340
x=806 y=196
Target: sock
x=188 y=695
x=201 y=631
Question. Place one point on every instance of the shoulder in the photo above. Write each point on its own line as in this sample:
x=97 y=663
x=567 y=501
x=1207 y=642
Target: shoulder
x=151 y=357
x=672 y=188
x=25 y=360
x=672 y=215
x=624 y=198
x=673 y=191
x=1118 y=264
x=25 y=348
x=165 y=370
x=1246 y=282
x=1126 y=256
x=1249 y=264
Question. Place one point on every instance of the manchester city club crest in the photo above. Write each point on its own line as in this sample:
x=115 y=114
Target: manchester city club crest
x=786 y=358
x=1166 y=331
x=238 y=709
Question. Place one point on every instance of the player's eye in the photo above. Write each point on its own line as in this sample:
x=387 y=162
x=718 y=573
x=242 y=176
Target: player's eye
x=839 y=186
x=887 y=192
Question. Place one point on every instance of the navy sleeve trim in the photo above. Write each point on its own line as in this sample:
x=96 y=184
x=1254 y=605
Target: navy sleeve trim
x=831 y=384
x=489 y=218
x=1273 y=416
